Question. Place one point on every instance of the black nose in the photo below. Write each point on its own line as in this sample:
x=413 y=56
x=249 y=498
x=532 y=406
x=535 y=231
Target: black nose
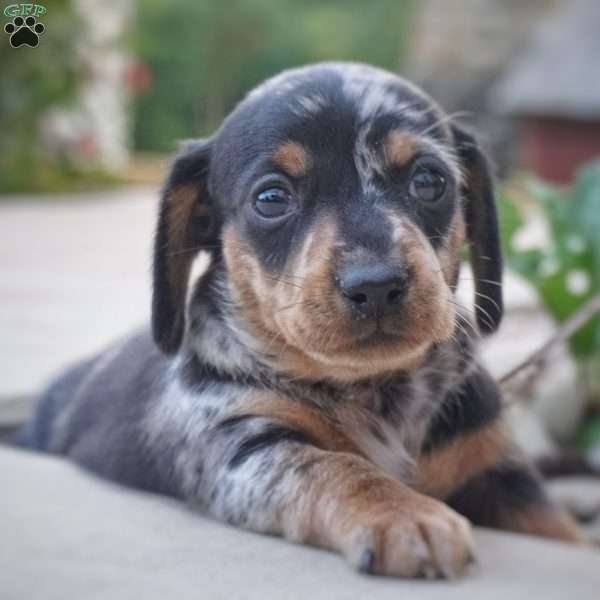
x=374 y=290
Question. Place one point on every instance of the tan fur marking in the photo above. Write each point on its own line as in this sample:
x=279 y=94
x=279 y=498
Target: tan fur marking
x=251 y=289
x=301 y=418
x=292 y=158
x=545 y=522
x=449 y=254
x=432 y=311
x=448 y=469
x=399 y=147
x=182 y=204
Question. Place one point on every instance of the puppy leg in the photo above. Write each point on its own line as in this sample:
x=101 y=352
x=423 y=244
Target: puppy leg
x=271 y=478
x=511 y=496
x=470 y=462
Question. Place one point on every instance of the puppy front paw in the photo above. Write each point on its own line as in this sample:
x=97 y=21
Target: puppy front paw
x=427 y=539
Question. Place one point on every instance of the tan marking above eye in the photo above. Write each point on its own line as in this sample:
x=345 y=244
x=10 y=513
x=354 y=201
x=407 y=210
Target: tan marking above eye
x=399 y=147
x=292 y=158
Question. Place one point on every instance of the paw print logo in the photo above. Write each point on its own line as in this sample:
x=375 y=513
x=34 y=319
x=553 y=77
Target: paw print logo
x=24 y=32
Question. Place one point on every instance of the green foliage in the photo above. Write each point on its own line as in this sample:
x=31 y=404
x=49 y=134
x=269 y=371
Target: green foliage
x=566 y=272
x=205 y=55
x=32 y=81
x=589 y=434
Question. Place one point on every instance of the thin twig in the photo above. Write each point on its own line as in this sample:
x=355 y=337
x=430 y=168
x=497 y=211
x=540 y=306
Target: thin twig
x=532 y=366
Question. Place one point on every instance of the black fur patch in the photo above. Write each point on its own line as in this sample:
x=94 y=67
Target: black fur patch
x=232 y=423
x=198 y=374
x=483 y=232
x=168 y=297
x=273 y=434
x=509 y=487
x=469 y=408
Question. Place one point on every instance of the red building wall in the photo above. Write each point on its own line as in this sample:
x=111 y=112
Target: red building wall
x=554 y=148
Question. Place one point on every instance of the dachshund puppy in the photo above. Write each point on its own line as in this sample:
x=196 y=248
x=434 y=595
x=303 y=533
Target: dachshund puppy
x=318 y=381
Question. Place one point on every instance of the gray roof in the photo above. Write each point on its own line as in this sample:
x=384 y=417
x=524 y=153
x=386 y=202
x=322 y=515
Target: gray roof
x=558 y=72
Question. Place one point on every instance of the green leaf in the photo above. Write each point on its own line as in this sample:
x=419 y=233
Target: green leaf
x=510 y=219
x=589 y=435
x=566 y=273
x=585 y=210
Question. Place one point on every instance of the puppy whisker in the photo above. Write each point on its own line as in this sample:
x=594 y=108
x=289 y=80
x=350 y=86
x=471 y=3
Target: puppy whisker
x=480 y=280
x=486 y=297
x=447 y=119
x=284 y=281
x=289 y=306
x=489 y=321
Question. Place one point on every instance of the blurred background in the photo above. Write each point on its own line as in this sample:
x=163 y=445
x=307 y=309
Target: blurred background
x=89 y=118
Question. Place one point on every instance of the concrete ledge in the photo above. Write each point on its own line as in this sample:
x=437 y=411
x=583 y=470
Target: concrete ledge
x=68 y=535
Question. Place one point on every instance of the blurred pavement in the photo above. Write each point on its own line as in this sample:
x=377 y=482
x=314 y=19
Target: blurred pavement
x=74 y=274
x=92 y=539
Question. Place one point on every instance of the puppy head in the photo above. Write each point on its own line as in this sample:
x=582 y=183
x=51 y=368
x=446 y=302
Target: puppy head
x=335 y=200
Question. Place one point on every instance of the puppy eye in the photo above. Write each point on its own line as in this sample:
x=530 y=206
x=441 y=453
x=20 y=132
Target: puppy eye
x=427 y=184
x=272 y=203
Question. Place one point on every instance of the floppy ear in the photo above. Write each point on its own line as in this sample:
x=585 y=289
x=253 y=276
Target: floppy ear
x=482 y=231
x=187 y=223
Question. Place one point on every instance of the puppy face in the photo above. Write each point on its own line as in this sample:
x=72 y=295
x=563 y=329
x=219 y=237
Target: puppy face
x=336 y=194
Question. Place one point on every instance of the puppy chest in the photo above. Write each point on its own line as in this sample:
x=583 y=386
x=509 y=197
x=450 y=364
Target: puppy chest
x=391 y=430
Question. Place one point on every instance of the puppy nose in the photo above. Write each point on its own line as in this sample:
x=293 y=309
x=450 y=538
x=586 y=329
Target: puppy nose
x=374 y=290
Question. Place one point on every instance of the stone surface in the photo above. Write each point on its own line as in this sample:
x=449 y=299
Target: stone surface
x=67 y=535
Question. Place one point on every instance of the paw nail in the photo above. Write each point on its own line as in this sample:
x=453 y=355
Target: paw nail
x=367 y=560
